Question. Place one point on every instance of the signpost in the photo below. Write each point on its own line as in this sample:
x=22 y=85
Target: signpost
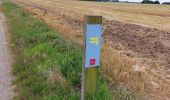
x=91 y=61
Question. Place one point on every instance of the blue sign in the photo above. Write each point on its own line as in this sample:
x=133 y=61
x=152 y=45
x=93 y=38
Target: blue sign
x=93 y=44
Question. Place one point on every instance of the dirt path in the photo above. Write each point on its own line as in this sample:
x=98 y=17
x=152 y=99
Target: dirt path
x=5 y=79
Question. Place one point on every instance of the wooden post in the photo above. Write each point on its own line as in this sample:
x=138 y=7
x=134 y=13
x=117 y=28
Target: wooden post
x=83 y=67
x=90 y=72
x=91 y=80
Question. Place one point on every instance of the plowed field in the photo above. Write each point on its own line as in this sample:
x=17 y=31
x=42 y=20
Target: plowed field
x=139 y=32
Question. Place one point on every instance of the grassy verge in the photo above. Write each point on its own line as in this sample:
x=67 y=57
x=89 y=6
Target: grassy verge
x=46 y=66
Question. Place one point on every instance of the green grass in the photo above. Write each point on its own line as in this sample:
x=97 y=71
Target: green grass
x=46 y=65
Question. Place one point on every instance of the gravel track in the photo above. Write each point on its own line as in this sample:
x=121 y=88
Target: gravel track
x=5 y=78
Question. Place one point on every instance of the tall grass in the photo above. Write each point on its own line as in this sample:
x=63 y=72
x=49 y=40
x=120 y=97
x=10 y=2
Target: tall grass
x=140 y=75
x=46 y=65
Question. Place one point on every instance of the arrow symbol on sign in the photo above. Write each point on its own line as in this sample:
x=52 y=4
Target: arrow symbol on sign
x=94 y=40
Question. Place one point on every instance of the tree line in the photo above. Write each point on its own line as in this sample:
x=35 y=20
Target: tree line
x=150 y=2
x=143 y=2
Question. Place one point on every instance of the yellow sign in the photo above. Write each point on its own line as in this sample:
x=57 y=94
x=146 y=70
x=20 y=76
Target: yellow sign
x=94 y=40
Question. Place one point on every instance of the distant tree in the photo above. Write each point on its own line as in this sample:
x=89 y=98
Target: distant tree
x=156 y=2
x=102 y=0
x=150 y=2
x=146 y=1
x=88 y=0
x=167 y=3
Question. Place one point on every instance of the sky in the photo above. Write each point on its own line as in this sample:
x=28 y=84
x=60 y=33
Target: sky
x=161 y=1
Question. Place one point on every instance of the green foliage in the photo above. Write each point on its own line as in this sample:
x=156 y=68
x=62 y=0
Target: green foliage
x=102 y=93
x=156 y=2
x=150 y=2
x=39 y=50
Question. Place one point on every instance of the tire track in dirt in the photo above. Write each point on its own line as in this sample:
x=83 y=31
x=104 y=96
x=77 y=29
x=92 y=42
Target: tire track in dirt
x=5 y=78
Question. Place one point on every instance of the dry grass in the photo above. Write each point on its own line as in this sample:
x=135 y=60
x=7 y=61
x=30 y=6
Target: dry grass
x=127 y=71
x=146 y=79
x=55 y=77
x=141 y=79
x=157 y=16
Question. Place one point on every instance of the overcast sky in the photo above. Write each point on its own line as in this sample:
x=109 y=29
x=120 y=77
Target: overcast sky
x=141 y=0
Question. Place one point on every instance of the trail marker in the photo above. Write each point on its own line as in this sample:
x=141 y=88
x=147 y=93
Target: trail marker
x=91 y=59
x=93 y=41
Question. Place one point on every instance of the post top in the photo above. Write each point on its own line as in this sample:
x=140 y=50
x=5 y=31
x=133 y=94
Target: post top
x=94 y=19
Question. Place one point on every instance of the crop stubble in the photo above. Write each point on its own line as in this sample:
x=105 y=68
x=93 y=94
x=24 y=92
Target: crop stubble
x=135 y=41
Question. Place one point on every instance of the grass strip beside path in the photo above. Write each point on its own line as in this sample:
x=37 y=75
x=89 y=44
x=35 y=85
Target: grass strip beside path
x=46 y=65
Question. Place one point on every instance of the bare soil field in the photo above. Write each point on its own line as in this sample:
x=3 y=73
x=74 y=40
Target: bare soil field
x=136 y=40
x=154 y=16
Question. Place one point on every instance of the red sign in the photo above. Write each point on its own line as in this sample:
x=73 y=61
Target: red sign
x=92 y=61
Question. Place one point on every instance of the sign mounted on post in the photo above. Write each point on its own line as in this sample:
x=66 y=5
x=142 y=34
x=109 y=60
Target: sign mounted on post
x=93 y=41
x=91 y=59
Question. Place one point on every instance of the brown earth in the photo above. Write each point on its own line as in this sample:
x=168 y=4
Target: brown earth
x=135 y=41
x=145 y=42
x=153 y=16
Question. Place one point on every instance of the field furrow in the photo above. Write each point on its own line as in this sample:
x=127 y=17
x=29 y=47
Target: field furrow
x=135 y=37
